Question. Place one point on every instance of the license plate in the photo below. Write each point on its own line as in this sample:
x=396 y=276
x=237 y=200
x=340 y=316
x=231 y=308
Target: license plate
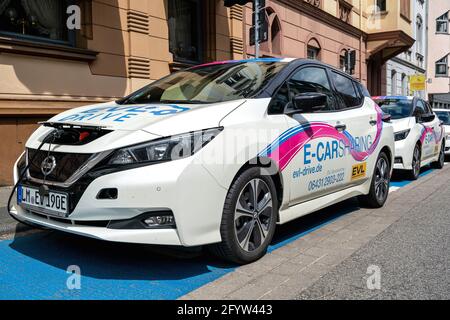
x=56 y=203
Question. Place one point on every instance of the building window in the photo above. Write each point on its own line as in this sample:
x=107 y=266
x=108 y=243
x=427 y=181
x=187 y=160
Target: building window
x=442 y=67
x=343 y=61
x=419 y=58
x=442 y=23
x=408 y=55
x=273 y=46
x=185 y=30
x=404 y=84
x=393 y=82
x=381 y=5
x=313 y=53
x=316 y=3
x=275 y=35
x=419 y=34
x=43 y=20
x=345 y=11
x=405 y=9
x=313 y=50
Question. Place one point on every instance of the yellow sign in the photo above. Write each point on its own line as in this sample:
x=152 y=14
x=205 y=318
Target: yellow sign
x=359 y=171
x=417 y=82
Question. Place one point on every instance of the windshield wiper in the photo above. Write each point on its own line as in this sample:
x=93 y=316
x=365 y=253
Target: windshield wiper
x=183 y=102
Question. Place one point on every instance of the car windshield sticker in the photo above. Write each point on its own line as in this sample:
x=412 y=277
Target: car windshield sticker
x=122 y=113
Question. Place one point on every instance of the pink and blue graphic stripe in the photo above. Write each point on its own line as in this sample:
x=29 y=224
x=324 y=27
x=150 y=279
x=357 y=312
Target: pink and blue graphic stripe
x=290 y=143
x=426 y=130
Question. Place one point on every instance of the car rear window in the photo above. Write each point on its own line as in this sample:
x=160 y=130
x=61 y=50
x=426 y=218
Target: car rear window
x=350 y=97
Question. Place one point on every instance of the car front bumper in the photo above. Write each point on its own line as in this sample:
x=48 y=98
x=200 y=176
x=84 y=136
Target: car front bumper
x=447 y=146
x=403 y=155
x=178 y=186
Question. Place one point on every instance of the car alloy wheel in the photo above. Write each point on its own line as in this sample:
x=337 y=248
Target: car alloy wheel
x=441 y=161
x=416 y=162
x=442 y=156
x=382 y=179
x=253 y=215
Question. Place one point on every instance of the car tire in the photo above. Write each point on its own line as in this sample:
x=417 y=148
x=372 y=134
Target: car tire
x=247 y=230
x=416 y=163
x=441 y=162
x=379 y=188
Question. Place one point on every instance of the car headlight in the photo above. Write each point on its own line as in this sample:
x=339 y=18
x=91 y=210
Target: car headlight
x=402 y=135
x=165 y=149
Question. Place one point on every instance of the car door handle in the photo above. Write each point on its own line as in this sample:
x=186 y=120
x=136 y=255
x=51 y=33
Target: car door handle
x=341 y=127
x=373 y=122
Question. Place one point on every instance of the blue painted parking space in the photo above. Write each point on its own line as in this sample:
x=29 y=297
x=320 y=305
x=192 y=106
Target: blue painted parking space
x=35 y=266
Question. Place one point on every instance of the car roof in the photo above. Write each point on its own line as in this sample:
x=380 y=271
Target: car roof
x=294 y=62
x=291 y=65
x=393 y=97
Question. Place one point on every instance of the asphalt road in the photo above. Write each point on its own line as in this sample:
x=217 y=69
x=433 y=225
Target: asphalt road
x=413 y=255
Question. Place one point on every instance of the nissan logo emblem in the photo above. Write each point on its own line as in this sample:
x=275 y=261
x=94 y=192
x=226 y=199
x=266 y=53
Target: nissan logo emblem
x=48 y=165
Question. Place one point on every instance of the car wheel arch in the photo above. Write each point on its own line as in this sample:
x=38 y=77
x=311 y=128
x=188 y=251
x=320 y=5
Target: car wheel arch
x=388 y=153
x=276 y=176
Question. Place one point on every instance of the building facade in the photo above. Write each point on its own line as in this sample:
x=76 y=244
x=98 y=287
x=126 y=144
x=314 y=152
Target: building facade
x=439 y=54
x=122 y=45
x=413 y=61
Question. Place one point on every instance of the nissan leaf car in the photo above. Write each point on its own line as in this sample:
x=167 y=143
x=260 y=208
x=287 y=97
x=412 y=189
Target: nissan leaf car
x=216 y=155
x=419 y=134
x=444 y=117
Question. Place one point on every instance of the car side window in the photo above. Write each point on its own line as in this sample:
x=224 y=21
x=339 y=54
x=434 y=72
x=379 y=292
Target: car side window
x=348 y=95
x=312 y=80
x=420 y=108
x=307 y=79
x=364 y=90
x=280 y=100
x=428 y=108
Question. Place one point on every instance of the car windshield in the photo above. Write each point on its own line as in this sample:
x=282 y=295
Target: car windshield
x=397 y=108
x=212 y=83
x=444 y=117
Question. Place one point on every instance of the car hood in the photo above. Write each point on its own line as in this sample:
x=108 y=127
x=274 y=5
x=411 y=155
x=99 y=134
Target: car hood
x=159 y=119
x=132 y=124
x=402 y=124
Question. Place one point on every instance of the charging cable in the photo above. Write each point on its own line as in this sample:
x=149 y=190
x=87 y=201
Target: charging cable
x=49 y=139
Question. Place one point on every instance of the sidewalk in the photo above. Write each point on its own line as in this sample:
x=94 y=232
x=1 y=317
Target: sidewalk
x=287 y=272
x=8 y=226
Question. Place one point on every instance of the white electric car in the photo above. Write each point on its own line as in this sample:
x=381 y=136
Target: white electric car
x=214 y=155
x=419 y=134
x=444 y=116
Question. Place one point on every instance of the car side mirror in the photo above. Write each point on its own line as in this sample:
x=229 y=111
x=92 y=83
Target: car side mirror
x=386 y=117
x=427 y=118
x=309 y=102
x=418 y=115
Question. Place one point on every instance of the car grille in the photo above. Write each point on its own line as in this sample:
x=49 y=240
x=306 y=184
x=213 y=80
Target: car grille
x=66 y=164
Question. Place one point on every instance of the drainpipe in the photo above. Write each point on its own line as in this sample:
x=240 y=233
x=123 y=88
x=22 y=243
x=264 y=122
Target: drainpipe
x=360 y=43
x=427 y=6
x=256 y=10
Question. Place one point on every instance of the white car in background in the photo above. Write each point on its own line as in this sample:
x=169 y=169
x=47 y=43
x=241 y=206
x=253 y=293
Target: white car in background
x=419 y=134
x=215 y=155
x=444 y=116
